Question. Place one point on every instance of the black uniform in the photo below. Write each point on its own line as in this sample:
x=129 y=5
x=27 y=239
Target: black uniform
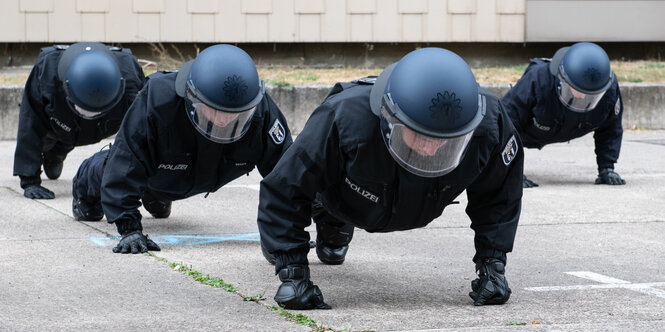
x=47 y=124
x=341 y=160
x=158 y=149
x=541 y=119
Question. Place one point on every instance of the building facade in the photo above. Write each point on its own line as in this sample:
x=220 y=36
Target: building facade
x=322 y=21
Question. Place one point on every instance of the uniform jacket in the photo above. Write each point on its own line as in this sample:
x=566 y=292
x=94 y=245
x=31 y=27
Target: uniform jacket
x=341 y=160
x=44 y=111
x=158 y=148
x=541 y=118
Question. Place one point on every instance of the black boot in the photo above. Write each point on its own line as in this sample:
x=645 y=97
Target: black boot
x=157 y=208
x=332 y=239
x=84 y=211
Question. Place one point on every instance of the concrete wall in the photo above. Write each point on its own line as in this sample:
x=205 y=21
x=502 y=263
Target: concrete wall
x=644 y=105
x=584 y=20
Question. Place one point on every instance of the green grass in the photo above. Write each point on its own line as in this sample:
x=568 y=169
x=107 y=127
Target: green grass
x=299 y=319
x=517 y=323
x=200 y=277
x=286 y=77
x=255 y=298
x=280 y=84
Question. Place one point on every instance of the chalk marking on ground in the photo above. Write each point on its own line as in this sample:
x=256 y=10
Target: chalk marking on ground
x=184 y=239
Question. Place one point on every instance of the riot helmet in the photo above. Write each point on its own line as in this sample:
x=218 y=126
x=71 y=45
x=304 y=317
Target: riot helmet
x=91 y=78
x=584 y=75
x=222 y=89
x=429 y=105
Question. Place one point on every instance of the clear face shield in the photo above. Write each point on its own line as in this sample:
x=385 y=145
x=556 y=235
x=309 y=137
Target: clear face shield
x=217 y=125
x=575 y=100
x=82 y=112
x=421 y=154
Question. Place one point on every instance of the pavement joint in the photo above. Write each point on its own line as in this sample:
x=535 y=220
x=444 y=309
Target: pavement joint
x=216 y=282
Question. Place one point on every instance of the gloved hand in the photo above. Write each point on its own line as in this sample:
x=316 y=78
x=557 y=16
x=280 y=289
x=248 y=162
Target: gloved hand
x=609 y=176
x=135 y=242
x=491 y=287
x=526 y=183
x=38 y=192
x=297 y=291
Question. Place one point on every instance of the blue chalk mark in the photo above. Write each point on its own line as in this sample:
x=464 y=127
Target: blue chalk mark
x=183 y=239
x=99 y=240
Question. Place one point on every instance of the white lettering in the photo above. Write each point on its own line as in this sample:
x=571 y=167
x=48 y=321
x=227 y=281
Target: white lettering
x=361 y=191
x=171 y=167
x=62 y=125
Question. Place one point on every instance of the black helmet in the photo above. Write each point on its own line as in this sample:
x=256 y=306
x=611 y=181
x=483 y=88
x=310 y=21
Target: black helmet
x=91 y=79
x=222 y=89
x=429 y=106
x=584 y=75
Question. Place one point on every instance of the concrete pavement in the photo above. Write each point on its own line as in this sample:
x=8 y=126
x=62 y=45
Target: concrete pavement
x=587 y=257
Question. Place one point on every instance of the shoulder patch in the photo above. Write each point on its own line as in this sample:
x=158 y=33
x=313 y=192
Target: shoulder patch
x=510 y=151
x=277 y=132
x=61 y=47
x=617 y=107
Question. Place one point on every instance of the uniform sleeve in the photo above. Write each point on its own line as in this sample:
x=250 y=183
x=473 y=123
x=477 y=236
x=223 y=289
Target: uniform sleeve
x=131 y=162
x=495 y=197
x=32 y=128
x=133 y=74
x=520 y=100
x=608 y=137
x=276 y=137
x=309 y=166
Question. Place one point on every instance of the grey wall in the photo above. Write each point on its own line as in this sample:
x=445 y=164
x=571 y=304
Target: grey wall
x=595 y=20
x=644 y=105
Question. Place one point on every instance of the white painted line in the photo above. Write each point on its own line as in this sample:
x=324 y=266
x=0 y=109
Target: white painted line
x=651 y=291
x=606 y=283
x=248 y=186
x=603 y=286
x=597 y=277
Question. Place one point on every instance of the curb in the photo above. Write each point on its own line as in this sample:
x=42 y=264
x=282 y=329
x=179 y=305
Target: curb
x=644 y=104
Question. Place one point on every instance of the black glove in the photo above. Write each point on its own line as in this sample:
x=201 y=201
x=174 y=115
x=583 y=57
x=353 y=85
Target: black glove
x=491 y=286
x=135 y=242
x=38 y=192
x=297 y=291
x=609 y=176
x=526 y=183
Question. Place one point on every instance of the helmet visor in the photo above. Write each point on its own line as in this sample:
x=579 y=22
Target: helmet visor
x=82 y=112
x=217 y=125
x=575 y=100
x=421 y=154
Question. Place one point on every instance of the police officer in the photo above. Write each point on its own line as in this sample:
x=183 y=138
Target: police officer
x=566 y=97
x=75 y=95
x=390 y=156
x=188 y=132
